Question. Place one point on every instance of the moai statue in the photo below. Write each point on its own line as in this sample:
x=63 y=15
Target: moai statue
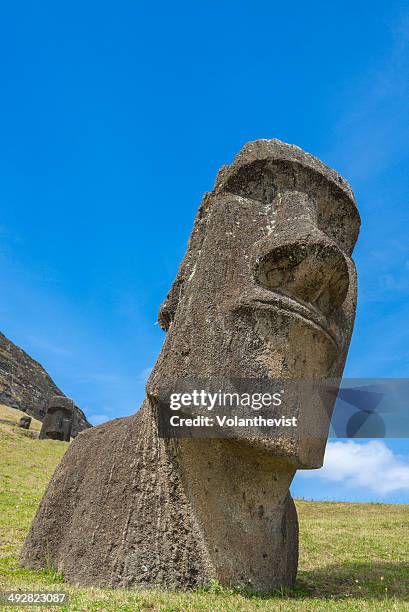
x=267 y=289
x=57 y=422
x=24 y=422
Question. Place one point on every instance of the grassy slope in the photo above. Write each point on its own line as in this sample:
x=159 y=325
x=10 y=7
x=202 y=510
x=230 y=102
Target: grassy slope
x=352 y=556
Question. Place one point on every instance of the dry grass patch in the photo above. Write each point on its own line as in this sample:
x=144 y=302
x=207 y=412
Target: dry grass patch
x=352 y=556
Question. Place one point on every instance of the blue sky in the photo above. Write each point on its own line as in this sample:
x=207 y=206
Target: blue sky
x=115 y=118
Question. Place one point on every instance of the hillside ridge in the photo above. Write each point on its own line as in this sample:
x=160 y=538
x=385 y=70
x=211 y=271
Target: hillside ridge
x=25 y=384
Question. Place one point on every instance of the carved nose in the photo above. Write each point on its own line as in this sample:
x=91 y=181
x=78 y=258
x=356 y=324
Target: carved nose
x=314 y=272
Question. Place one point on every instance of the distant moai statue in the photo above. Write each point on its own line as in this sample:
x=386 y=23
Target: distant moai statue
x=266 y=291
x=24 y=422
x=57 y=422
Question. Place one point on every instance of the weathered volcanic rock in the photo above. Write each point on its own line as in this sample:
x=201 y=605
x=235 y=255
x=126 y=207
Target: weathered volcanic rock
x=25 y=385
x=266 y=290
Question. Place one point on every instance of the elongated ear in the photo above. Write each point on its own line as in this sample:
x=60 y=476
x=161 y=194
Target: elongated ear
x=167 y=311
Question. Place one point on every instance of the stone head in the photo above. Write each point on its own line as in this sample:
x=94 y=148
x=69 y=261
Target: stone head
x=267 y=288
x=57 y=423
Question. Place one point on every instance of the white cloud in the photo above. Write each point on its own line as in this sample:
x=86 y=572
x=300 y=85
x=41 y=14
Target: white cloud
x=48 y=347
x=145 y=373
x=372 y=133
x=103 y=377
x=97 y=419
x=370 y=465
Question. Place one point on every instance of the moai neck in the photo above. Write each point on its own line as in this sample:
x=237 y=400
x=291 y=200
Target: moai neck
x=241 y=502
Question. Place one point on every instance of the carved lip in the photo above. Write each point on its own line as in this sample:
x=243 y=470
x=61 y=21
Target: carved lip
x=273 y=300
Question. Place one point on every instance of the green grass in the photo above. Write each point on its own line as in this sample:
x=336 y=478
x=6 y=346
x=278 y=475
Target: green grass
x=352 y=556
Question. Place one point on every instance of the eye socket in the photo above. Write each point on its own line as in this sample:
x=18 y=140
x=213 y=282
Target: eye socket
x=339 y=219
x=254 y=181
x=314 y=273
